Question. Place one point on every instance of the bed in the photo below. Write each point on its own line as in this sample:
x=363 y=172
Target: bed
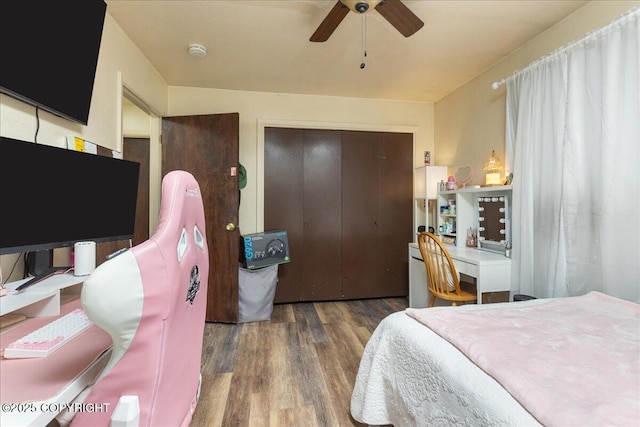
x=553 y=362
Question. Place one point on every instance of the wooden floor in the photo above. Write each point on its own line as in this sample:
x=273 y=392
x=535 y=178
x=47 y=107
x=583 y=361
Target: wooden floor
x=298 y=369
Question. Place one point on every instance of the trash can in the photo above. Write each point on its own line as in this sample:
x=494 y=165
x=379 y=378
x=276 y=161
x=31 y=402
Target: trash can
x=256 y=290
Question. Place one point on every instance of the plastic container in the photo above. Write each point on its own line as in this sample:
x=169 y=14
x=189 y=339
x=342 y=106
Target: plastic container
x=256 y=291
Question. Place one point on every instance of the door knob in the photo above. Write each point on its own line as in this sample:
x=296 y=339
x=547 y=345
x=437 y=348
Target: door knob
x=230 y=227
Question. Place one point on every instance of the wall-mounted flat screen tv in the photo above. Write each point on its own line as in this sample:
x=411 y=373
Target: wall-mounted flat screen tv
x=49 y=53
x=53 y=197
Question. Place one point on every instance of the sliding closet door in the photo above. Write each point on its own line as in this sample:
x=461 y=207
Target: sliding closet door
x=377 y=197
x=302 y=196
x=395 y=215
x=283 y=203
x=322 y=211
x=360 y=256
x=346 y=201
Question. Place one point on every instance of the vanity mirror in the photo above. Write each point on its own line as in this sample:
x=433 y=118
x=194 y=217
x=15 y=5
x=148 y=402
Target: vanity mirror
x=484 y=211
x=493 y=221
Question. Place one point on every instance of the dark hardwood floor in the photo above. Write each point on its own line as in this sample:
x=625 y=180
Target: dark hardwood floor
x=297 y=369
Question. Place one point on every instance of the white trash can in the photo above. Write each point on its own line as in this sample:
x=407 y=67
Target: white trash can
x=256 y=291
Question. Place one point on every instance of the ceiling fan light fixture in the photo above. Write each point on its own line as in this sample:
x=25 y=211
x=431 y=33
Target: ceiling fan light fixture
x=394 y=11
x=360 y=6
x=197 y=50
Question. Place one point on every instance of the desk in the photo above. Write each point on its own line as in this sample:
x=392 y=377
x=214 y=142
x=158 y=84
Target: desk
x=56 y=379
x=40 y=413
x=492 y=272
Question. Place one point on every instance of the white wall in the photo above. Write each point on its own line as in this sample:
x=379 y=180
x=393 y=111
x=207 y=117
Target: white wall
x=135 y=122
x=259 y=109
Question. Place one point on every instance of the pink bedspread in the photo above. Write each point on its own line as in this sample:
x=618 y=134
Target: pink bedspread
x=570 y=362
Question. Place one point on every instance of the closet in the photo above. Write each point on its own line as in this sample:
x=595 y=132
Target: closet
x=345 y=199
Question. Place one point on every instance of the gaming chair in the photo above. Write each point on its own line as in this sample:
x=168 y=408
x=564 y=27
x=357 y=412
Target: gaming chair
x=152 y=299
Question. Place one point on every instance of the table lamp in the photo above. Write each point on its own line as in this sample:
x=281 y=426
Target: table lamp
x=492 y=167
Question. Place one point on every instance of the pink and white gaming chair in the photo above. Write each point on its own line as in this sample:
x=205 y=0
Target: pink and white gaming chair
x=152 y=301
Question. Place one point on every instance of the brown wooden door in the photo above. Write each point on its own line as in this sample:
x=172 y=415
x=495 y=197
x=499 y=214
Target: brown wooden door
x=283 y=203
x=360 y=258
x=207 y=147
x=322 y=213
x=302 y=196
x=377 y=197
x=136 y=150
x=139 y=150
x=395 y=214
x=345 y=198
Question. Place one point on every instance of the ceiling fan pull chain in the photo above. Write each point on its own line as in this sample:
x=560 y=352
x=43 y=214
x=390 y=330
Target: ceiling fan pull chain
x=364 y=39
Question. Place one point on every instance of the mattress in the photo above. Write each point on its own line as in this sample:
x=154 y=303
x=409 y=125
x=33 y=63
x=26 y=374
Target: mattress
x=410 y=375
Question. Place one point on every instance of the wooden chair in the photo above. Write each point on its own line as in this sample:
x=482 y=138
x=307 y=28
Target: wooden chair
x=442 y=277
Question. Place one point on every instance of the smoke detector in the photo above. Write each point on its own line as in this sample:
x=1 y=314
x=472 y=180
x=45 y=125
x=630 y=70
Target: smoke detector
x=197 y=50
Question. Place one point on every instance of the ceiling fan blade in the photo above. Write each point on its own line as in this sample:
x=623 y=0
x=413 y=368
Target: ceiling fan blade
x=330 y=23
x=399 y=16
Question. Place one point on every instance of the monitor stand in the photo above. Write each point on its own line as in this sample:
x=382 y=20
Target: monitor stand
x=37 y=263
x=43 y=275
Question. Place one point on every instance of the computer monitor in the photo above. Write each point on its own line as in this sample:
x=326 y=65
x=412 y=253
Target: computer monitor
x=53 y=197
x=49 y=52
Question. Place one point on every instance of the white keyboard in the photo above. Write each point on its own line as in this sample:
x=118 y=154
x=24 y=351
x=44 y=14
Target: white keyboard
x=44 y=341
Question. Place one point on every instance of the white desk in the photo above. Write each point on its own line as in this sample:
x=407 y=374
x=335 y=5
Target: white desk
x=492 y=272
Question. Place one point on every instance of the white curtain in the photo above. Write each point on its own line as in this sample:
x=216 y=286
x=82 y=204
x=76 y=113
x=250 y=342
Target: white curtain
x=573 y=132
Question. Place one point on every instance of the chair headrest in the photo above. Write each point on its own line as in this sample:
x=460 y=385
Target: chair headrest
x=181 y=212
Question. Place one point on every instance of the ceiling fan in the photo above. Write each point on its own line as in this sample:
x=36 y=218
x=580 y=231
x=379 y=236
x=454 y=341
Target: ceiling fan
x=393 y=11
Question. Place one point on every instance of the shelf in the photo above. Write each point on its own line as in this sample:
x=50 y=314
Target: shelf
x=426 y=184
x=466 y=212
x=31 y=304
x=477 y=189
x=41 y=299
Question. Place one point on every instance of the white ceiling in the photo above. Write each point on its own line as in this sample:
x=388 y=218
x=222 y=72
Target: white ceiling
x=264 y=45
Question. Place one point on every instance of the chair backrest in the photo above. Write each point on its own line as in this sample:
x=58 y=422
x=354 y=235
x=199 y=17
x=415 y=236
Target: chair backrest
x=152 y=301
x=441 y=272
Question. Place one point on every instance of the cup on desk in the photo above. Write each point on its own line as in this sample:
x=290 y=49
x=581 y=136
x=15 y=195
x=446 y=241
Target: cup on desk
x=84 y=258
